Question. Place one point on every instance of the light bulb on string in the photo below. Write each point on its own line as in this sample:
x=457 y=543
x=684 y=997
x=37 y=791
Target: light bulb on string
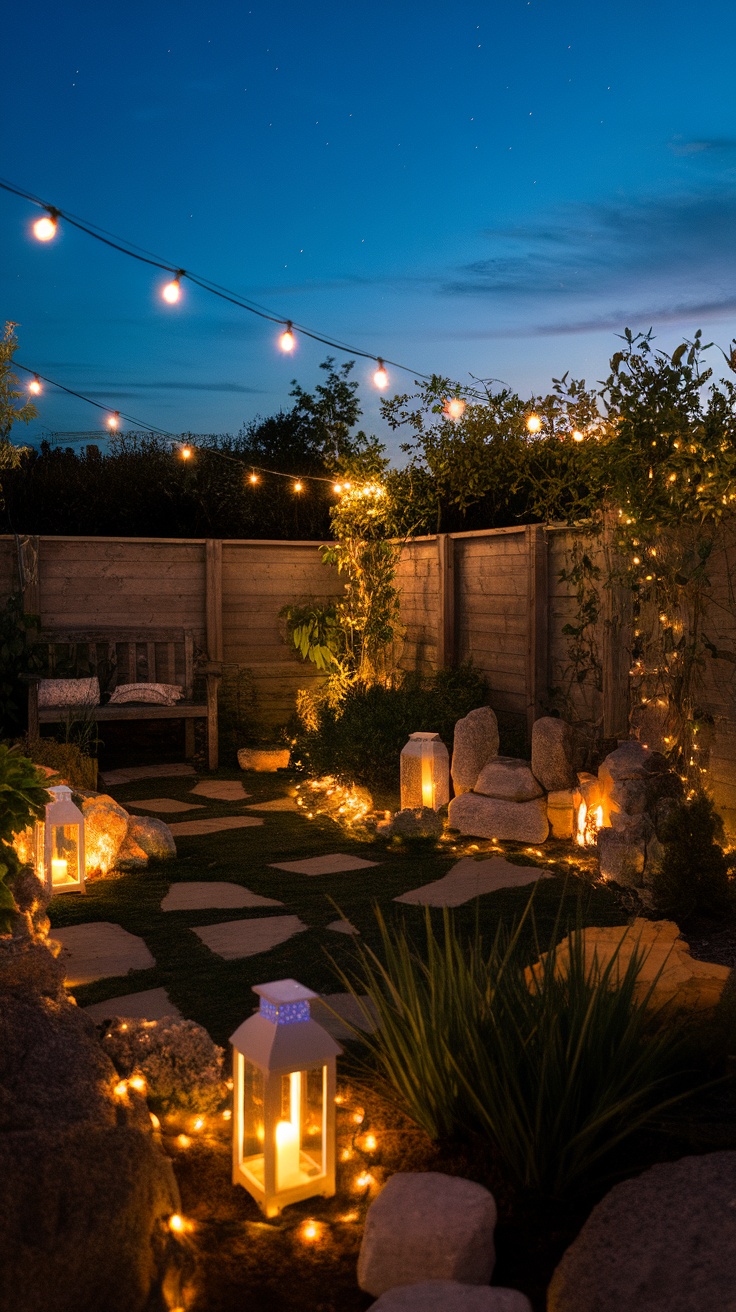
x=298 y=486
x=253 y=478
x=287 y=340
x=35 y=385
x=380 y=377
x=186 y=453
x=113 y=421
x=455 y=408
x=44 y=229
x=577 y=436
x=533 y=423
x=171 y=291
x=337 y=487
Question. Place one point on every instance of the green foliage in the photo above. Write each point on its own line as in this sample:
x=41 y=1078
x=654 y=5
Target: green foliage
x=693 y=878
x=23 y=797
x=316 y=633
x=17 y=657
x=555 y=1069
x=10 y=412
x=360 y=740
x=67 y=759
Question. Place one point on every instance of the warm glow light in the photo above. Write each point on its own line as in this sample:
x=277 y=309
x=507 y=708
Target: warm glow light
x=199 y=1123
x=534 y=423
x=455 y=408
x=380 y=377
x=577 y=436
x=287 y=1154
x=155 y=1122
x=176 y=1223
x=183 y=1140
x=45 y=228
x=287 y=340
x=227 y=1114
x=345 y=1155
x=186 y=453
x=310 y=1231
x=35 y=385
x=298 y=486
x=137 y=1082
x=359 y=1117
x=364 y=1180
x=253 y=478
x=337 y=487
x=120 y=1089
x=370 y=1143
x=113 y=420
x=171 y=292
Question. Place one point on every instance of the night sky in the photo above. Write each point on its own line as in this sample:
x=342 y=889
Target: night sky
x=488 y=189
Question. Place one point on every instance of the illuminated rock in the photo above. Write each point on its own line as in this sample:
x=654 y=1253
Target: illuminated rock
x=475 y=743
x=507 y=778
x=491 y=817
x=552 y=753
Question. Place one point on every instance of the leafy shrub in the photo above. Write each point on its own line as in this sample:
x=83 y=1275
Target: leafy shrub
x=23 y=798
x=556 y=1069
x=693 y=877
x=362 y=740
x=67 y=759
x=17 y=657
x=181 y=1065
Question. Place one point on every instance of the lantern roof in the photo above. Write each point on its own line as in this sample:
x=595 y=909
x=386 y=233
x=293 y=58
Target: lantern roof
x=430 y=737
x=281 y=992
x=282 y=1036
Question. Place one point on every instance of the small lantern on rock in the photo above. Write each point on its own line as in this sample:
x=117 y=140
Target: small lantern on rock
x=284 y=1100
x=425 y=772
x=59 y=844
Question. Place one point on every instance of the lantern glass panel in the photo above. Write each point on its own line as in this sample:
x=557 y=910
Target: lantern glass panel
x=64 y=854
x=299 y=1132
x=313 y=1108
x=254 y=1129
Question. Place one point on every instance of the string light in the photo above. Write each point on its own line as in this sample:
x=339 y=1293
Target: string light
x=176 y=1223
x=310 y=1231
x=35 y=385
x=577 y=436
x=171 y=292
x=45 y=228
x=253 y=478
x=113 y=420
x=298 y=486
x=455 y=408
x=137 y=1082
x=121 y=1088
x=534 y=423
x=337 y=487
x=287 y=340
x=186 y=453
x=380 y=377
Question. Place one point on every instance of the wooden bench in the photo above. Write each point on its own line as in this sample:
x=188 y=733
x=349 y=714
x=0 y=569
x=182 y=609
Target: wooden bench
x=118 y=656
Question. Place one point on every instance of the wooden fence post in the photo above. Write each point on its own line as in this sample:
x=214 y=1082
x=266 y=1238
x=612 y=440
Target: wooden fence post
x=446 y=602
x=213 y=596
x=616 y=654
x=536 y=655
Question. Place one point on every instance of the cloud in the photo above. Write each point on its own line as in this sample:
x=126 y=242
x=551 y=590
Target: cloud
x=167 y=385
x=673 y=253
x=705 y=146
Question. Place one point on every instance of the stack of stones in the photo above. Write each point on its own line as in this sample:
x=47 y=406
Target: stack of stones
x=505 y=798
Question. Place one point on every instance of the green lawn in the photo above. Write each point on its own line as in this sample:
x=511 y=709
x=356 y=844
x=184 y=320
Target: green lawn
x=218 y=993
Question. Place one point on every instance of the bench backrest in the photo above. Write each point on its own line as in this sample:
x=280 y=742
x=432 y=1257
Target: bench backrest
x=124 y=656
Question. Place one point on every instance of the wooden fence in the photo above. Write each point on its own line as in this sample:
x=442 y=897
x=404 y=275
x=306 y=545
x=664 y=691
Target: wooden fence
x=492 y=596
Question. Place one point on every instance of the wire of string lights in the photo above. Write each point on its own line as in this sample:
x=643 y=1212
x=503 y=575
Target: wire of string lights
x=45 y=229
x=186 y=450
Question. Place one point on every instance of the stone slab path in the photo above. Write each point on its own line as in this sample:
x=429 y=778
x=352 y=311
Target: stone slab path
x=342 y=927
x=189 y=828
x=334 y=864
x=469 y=879
x=276 y=804
x=245 y=938
x=199 y=895
x=98 y=950
x=151 y=1004
x=221 y=790
x=129 y=775
x=166 y=805
x=348 y=1010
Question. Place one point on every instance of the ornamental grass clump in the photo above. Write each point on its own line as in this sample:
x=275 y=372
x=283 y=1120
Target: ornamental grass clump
x=182 y=1067
x=556 y=1067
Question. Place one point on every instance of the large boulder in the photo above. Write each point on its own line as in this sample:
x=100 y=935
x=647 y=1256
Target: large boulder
x=633 y=779
x=475 y=743
x=152 y=836
x=451 y=1296
x=85 y=1189
x=664 y=1242
x=553 y=753
x=490 y=817
x=621 y=854
x=509 y=779
x=105 y=829
x=682 y=982
x=427 y=1226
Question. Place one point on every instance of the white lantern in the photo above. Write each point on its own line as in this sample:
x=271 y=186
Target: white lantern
x=425 y=772
x=59 y=842
x=284 y=1100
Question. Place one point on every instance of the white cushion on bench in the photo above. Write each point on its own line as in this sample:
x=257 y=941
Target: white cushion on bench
x=156 y=694
x=69 y=692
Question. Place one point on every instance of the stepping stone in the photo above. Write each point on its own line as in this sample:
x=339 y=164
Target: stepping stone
x=347 y=1009
x=133 y=772
x=198 y=895
x=189 y=828
x=469 y=879
x=334 y=864
x=245 y=938
x=151 y=1004
x=342 y=927
x=221 y=790
x=165 y=805
x=276 y=804
x=98 y=950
